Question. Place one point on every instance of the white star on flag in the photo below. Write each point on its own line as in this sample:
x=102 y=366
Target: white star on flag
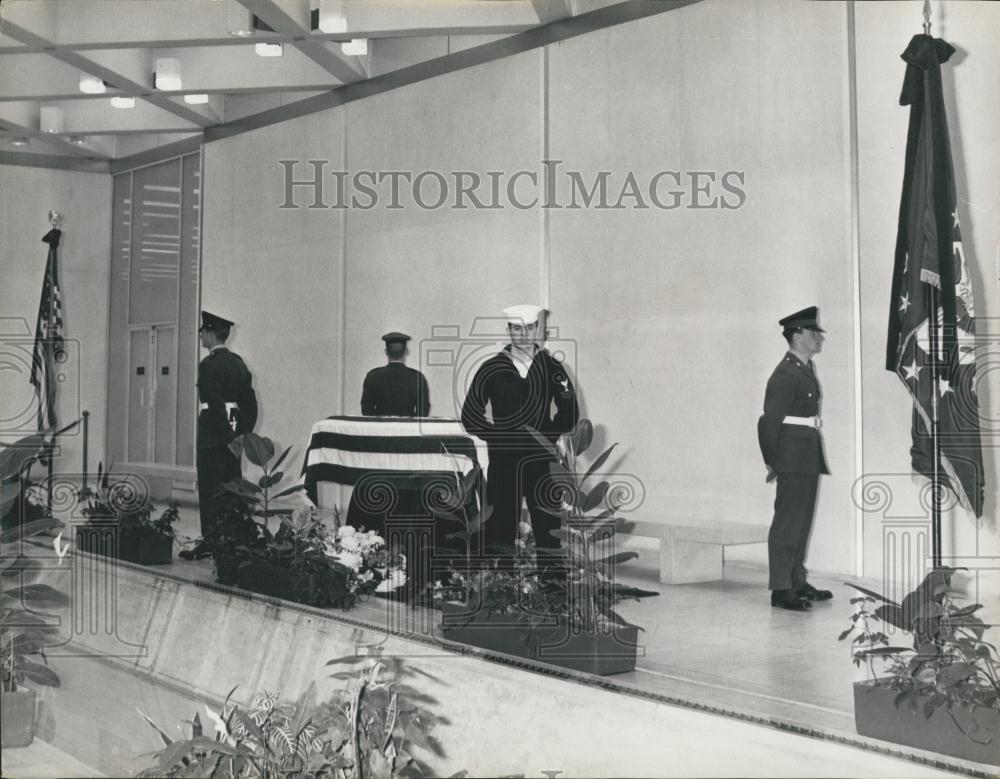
x=911 y=370
x=904 y=302
x=944 y=386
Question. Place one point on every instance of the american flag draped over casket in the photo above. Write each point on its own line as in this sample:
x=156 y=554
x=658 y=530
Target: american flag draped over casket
x=406 y=451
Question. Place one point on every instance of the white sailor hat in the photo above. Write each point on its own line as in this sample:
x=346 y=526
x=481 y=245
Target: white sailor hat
x=522 y=315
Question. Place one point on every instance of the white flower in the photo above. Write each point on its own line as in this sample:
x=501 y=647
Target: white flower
x=346 y=530
x=366 y=576
x=391 y=582
x=352 y=560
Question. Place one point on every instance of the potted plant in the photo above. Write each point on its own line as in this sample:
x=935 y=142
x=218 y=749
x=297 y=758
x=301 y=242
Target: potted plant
x=518 y=609
x=303 y=559
x=943 y=692
x=363 y=731
x=119 y=522
x=23 y=631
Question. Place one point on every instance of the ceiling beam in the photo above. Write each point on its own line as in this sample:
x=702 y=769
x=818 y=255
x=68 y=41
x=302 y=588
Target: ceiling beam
x=551 y=10
x=261 y=90
x=278 y=20
x=117 y=80
x=330 y=37
x=51 y=139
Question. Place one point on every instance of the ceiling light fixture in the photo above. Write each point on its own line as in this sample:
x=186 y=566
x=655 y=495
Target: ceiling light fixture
x=239 y=21
x=91 y=85
x=77 y=140
x=198 y=99
x=50 y=119
x=167 y=76
x=332 y=16
x=123 y=102
x=268 y=49
x=357 y=47
x=19 y=142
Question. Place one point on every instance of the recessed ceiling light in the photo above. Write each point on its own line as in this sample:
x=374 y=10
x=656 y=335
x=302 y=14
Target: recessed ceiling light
x=123 y=102
x=77 y=140
x=268 y=49
x=50 y=119
x=167 y=76
x=358 y=47
x=91 y=85
x=199 y=99
x=19 y=141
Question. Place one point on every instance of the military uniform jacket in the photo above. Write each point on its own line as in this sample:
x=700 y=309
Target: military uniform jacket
x=223 y=378
x=517 y=404
x=395 y=390
x=792 y=390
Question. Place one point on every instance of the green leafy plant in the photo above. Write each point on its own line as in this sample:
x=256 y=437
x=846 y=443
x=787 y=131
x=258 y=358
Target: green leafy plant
x=122 y=502
x=588 y=526
x=261 y=495
x=365 y=731
x=517 y=583
x=949 y=665
x=24 y=632
x=237 y=534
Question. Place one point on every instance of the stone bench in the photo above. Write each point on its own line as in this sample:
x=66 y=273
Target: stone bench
x=692 y=550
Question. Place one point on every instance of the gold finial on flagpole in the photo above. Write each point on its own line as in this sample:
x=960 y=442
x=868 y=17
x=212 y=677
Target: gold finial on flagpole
x=55 y=219
x=927 y=17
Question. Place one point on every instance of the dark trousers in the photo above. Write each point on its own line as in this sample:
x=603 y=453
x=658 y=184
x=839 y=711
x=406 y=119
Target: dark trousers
x=216 y=465
x=788 y=540
x=513 y=479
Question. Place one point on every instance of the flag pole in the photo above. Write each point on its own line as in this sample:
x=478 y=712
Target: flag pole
x=936 y=487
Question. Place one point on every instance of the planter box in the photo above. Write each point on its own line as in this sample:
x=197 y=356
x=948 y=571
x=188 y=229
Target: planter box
x=17 y=725
x=512 y=634
x=105 y=540
x=323 y=590
x=266 y=579
x=227 y=568
x=876 y=717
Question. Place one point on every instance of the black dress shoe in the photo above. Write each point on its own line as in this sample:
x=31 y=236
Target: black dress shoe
x=789 y=599
x=809 y=592
x=198 y=552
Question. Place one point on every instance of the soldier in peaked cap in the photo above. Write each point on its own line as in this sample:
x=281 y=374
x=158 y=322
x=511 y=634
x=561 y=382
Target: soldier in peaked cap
x=521 y=385
x=395 y=390
x=792 y=446
x=228 y=409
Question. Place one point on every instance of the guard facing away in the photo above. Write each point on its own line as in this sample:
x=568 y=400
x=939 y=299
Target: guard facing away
x=228 y=409
x=792 y=446
x=521 y=385
x=395 y=390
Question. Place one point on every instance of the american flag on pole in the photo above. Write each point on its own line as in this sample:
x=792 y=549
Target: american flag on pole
x=48 y=337
x=931 y=289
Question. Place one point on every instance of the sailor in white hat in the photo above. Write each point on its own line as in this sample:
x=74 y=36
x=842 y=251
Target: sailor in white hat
x=521 y=385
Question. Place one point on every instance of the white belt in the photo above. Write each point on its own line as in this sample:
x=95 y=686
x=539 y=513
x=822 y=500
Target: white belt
x=804 y=421
x=229 y=407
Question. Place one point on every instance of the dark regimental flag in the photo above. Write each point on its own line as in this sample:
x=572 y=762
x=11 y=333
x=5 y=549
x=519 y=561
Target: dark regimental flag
x=48 y=350
x=930 y=266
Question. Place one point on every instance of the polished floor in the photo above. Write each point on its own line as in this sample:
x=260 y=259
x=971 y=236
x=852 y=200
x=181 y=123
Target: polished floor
x=777 y=682
x=718 y=646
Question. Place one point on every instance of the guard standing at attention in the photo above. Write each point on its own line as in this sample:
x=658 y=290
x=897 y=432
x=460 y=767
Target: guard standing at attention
x=228 y=409
x=792 y=446
x=395 y=390
x=521 y=384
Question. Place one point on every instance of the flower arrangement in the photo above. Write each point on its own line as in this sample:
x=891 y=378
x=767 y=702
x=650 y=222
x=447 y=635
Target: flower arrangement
x=375 y=568
x=507 y=587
